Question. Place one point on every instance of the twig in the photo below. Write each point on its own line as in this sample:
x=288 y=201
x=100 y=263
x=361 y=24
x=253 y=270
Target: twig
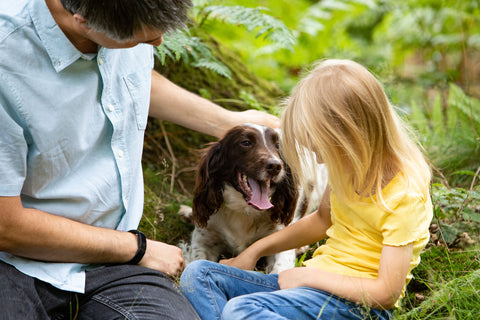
x=474 y=178
x=152 y=139
x=172 y=156
x=445 y=182
x=182 y=186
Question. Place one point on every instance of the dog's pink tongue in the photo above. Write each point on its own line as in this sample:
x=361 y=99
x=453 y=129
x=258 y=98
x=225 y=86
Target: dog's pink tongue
x=260 y=195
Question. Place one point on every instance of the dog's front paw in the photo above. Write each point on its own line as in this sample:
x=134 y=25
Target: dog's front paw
x=185 y=212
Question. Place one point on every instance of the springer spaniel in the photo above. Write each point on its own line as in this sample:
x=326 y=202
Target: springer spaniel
x=244 y=191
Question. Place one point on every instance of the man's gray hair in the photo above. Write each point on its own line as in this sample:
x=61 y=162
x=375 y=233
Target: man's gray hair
x=121 y=19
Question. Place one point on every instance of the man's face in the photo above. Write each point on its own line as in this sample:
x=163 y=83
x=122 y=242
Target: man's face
x=147 y=36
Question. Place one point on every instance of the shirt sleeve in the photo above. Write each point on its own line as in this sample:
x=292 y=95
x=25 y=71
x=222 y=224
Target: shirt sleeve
x=409 y=220
x=13 y=154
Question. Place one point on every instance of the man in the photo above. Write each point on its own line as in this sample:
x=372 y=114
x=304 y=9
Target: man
x=76 y=83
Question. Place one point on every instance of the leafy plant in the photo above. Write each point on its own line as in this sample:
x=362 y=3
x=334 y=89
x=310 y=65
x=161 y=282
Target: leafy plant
x=451 y=138
x=193 y=50
x=255 y=20
x=438 y=34
x=182 y=45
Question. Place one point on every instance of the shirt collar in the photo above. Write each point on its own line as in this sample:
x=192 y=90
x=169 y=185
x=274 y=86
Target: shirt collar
x=61 y=51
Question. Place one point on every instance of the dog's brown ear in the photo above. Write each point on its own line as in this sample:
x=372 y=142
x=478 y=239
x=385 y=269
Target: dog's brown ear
x=285 y=199
x=208 y=192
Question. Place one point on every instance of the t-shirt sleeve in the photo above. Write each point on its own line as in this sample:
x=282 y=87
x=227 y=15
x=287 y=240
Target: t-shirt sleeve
x=409 y=220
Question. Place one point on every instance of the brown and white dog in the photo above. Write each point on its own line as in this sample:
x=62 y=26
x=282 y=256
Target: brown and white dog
x=244 y=191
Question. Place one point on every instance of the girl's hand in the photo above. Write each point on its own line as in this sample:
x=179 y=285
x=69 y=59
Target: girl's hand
x=242 y=261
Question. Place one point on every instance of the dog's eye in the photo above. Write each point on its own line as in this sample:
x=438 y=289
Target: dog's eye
x=246 y=143
x=277 y=145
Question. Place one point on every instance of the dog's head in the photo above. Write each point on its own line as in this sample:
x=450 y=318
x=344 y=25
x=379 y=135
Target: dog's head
x=247 y=158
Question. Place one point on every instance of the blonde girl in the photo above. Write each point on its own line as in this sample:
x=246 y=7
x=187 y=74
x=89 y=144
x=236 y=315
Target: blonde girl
x=375 y=213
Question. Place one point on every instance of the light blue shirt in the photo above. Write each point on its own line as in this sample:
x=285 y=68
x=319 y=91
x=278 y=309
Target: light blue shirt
x=72 y=128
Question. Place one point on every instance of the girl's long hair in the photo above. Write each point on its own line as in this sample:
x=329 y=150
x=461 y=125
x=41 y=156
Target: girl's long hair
x=341 y=114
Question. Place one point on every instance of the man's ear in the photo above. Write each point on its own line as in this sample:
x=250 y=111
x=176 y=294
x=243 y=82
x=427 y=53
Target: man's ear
x=81 y=22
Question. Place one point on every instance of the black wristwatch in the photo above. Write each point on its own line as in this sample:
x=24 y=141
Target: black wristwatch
x=142 y=247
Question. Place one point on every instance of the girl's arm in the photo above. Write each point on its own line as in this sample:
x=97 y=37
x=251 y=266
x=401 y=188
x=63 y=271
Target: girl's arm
x=380 y=293
x=309 y=229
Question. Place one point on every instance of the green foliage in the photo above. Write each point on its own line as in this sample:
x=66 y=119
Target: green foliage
x=451 y=134
x=253 y=19
x=456 y=216
x=456 y=203
x=182 y=45
x=439 y=33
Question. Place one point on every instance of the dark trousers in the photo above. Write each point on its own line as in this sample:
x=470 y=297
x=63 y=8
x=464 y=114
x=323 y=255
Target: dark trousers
x=113 y=292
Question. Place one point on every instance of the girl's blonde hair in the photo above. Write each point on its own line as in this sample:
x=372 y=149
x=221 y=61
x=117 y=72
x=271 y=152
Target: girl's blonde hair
x=341 y=113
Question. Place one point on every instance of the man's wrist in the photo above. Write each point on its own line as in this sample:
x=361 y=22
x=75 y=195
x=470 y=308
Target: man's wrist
x=142 y=247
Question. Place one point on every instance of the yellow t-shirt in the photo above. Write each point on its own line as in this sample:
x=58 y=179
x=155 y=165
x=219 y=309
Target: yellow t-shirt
x=360 y=229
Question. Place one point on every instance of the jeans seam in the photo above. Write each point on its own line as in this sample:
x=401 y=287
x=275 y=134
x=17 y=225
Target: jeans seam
x=115 y=307
x=240 y=278
x=214 y=302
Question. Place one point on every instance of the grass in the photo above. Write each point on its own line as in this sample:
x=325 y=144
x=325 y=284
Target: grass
x=447 y=286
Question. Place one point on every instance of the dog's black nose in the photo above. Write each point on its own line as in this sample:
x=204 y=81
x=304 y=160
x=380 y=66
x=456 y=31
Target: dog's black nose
x=273 y=166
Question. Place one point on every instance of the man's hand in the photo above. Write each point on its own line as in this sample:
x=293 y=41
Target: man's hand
x=163 y=257
x=259 y=117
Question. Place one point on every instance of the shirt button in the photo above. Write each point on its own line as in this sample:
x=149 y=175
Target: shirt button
x=120 y=153
x=100 y=61
x=111 y=108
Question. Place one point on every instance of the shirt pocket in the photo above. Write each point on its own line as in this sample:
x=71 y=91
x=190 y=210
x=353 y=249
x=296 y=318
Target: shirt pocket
x=139 y=91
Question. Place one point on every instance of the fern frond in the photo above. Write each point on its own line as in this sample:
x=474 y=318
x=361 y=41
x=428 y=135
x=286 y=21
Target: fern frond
x=215 y=66
x=181 y=45
x=466 y=106
x=253 y=19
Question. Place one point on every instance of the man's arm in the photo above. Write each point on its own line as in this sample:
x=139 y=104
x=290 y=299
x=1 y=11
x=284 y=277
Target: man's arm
x=42 y=236
x=175 y=104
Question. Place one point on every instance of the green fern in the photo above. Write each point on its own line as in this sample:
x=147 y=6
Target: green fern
x=451 y=138
x=213 y=65
x=253 y=19
x=467 y=107
x=181 y=45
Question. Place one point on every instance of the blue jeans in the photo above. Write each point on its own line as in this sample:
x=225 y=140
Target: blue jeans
x=222 y=292
x=113 y=292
